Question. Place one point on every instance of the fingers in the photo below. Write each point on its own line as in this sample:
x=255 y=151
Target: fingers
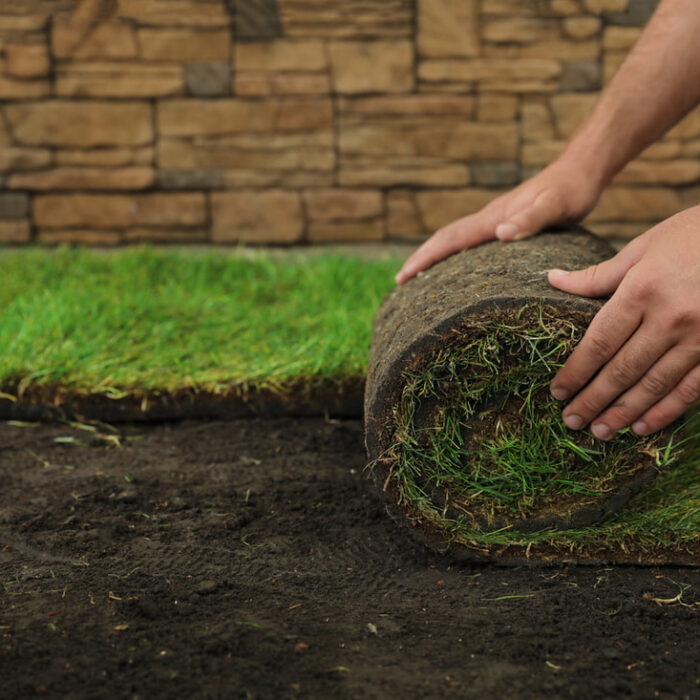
x=658 y=382
x=673 y=406
x=464 y=233
x=606 y=334
x=623 y=371
x=545 y=210
x=597 y=280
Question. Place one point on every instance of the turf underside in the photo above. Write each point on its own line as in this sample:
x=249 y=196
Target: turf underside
x=148 y=320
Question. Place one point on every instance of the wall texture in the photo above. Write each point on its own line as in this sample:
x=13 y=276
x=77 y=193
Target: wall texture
x=280 y=121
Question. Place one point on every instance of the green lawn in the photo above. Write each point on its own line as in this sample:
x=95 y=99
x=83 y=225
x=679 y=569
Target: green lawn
x=144 y=319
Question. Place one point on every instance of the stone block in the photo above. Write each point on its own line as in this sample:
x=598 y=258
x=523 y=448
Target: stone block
x=441 y=207
x=666 y=149
x=14 y=205
x=185 y=45
x=256 y=19
x=690 y=149
x=448 y=28
x=15 y=231
x=598 y=7
x=376 y=66
x=113 y=40
x=345 y=231
x=582 y=27
x=408 y=105
x=496 y=108
x=196 y=117
x=16 y=158
x=551 y=49
x=580 y=76
x=281 y=55
x=488 y=70
x=175 y=13
x=495 y=174
x=105 y=157
x=540 y=153
x=87 y=237
x=240 y=178
x=349 y=19
x=190 y=179
x=403 y=220
x=636 y=204
x=116 y=211
x=620 y=38
x=565 y=8
x=280 y=152
x=11 y=23
x=452 y=139
x=27 y=60
x=208 y=79
x=82 y=178
x=82 y=124
x=385 y=172
x=16 y=89
x=337 y=204
x=70 y=29
x=272 y=216
x=118 y=79
x=536 y=122
x=570 y=111
x=682 y=171
x=519 y=30
x=620 y=230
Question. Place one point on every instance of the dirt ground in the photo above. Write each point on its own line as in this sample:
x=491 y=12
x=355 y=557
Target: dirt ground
x=251 y=559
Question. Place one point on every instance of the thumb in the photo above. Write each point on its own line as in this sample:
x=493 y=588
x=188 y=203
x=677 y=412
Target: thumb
x=595 y=281
x=545 y=210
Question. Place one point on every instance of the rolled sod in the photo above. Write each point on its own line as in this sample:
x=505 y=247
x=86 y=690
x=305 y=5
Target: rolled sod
x=464 y=440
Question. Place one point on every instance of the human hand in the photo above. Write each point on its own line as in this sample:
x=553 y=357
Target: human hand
x=563 y=192
x=644 y=344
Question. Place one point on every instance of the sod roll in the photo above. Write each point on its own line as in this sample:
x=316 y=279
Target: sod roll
x=463 y=437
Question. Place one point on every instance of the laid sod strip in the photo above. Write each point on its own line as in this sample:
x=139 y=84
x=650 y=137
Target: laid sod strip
x=84 y=323
x=469 y=448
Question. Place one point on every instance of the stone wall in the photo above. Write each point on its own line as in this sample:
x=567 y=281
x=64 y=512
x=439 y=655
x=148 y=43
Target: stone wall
x=305 y=120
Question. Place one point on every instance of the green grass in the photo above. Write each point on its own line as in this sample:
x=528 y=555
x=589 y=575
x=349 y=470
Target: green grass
x=143 y=319
x=491 y=447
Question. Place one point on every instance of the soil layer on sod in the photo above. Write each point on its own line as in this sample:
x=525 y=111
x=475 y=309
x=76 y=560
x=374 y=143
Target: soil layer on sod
x=248 y=559
x=466 y=442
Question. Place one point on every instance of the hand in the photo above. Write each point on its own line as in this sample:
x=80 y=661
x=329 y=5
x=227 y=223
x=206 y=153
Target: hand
x=644 y=344
x=563 y=192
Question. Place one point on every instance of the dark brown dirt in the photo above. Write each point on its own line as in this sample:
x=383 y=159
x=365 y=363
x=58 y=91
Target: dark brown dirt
x=251 y=559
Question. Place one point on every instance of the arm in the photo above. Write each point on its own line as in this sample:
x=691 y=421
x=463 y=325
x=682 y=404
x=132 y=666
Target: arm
x=654 y=88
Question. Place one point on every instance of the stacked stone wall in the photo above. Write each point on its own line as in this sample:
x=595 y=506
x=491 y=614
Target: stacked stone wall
x=289 y=121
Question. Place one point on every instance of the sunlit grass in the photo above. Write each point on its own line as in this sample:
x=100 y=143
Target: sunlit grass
x=150 y=319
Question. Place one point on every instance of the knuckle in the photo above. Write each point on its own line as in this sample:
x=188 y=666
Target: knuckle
x=618 y=416
x=589 y=406
x=599 y=346
x=622 y=374
x=655 y=384
x=639 y=286
x=689 y=390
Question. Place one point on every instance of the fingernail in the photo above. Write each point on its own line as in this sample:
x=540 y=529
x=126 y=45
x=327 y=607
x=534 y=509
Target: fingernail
x=601 y=431
x=573 y=421
x=519 y=236
x=640 y=427
x=559 y=393
x=558 y=273
x=506 y=232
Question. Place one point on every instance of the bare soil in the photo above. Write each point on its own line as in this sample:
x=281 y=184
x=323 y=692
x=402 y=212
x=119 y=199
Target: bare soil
x=252 y=559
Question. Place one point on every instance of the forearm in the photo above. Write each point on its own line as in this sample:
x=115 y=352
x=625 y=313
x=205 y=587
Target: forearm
x=656 y=86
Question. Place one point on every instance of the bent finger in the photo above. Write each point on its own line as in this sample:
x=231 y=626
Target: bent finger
x=608 y=331
x=656 y=384
x=619 y=374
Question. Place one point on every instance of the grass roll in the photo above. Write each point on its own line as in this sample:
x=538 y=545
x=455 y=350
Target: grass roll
x=463 y=438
